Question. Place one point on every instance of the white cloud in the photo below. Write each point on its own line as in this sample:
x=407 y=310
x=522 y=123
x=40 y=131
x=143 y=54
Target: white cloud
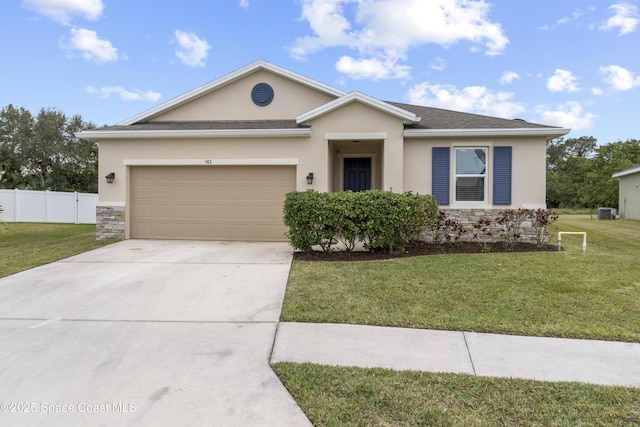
x=438 y=64
x=471 y=99
x=92 y=47
x=619 y=78
x=328 y=24
x=625 y=18
x=508 y=77
x=574 y=17
x=192 y=50
x=244 y=4
x=568 y=115
x=384 y=30
x=63 y=10
x=562 y=81
x=597 y=91
x=374 y=68
x=124 y=94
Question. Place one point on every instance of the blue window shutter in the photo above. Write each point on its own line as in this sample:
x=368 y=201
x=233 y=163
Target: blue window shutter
x=501 y=175
x=440 y=174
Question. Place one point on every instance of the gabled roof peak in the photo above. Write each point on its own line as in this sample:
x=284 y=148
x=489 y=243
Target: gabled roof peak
x=229 y=78
x=407 y=116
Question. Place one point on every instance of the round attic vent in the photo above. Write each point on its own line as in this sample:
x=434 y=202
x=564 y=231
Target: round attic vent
x=262 y=94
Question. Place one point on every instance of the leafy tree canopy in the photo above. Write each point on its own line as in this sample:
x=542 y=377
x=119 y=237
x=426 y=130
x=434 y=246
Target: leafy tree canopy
x=579 y=172
x=41 y=152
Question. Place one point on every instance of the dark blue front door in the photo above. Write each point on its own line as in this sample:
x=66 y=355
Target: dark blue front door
x=357 y=174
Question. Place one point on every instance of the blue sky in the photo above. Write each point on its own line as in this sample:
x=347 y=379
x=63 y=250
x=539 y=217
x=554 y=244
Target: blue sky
x=568 y=63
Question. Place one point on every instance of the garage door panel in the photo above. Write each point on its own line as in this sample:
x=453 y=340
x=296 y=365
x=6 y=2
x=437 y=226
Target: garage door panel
x=182 y=212
x=210 y=203
x=242 y=193
x=221 y=193
x=201 y=213
x=221 y=211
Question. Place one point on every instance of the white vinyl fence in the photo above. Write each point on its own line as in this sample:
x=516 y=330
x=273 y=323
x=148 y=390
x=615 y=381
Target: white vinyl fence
x=48 y=206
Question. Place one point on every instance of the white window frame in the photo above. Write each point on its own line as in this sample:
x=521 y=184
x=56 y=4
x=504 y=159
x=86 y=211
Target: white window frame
x=466 y=146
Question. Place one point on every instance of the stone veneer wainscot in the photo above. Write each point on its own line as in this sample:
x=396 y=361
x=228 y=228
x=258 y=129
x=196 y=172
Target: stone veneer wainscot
x=109 y=222
x=468 y=217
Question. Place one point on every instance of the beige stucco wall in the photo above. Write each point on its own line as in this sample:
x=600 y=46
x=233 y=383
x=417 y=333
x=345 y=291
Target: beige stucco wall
x=114 y=154
x=233 y=102
x=629 y=201
x=396 y=167
x=311 y=153
x=528 y=167
x=357 y=121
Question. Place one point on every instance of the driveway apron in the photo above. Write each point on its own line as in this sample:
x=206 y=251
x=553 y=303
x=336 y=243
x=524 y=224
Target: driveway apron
x=146 y=333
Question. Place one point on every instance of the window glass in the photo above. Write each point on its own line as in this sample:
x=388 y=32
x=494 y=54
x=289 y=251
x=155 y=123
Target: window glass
x=471 y=161
x=470 y=174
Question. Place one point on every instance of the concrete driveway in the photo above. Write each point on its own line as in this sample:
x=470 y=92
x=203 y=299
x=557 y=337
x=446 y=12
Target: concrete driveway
x=146 y=333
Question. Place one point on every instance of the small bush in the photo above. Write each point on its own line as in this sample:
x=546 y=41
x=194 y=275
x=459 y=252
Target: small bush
x=541 y=219
x=393 y=220
x=509 y=226
x=482 y=233
x=510 y=223
x=381 y=220
x=350 y=217
x=307 y=216
x=447 y=229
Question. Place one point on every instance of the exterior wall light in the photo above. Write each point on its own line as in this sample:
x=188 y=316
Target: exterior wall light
x=310 y=178
x=110 y=177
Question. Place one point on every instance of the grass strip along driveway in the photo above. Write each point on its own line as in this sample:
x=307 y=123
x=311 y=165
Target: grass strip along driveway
x=338 y=396
x=28 y=245
x=593 y=295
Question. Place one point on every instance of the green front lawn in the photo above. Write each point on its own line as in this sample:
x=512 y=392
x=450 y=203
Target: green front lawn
x=592 y=295
x=568 y=294
x=28 y=245
x=332 y=396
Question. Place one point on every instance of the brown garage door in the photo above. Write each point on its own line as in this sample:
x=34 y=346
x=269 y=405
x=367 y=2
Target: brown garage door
x=209 y=202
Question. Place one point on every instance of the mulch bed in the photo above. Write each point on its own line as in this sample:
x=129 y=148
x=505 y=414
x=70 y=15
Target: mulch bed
x=417 y=249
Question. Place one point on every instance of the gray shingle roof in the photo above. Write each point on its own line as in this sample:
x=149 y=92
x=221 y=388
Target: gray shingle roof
x=436 y=118
x=432 y=118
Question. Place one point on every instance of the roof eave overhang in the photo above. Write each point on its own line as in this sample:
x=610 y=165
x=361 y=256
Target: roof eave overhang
x=626 y=172
x=549 y=133
x=186 y=134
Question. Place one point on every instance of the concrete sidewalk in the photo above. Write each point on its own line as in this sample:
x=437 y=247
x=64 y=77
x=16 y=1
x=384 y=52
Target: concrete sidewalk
x=543 y=359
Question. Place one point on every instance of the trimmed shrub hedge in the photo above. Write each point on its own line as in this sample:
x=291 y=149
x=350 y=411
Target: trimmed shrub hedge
x=381 y=220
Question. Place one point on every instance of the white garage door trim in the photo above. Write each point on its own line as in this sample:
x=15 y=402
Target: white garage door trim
x=213 y=162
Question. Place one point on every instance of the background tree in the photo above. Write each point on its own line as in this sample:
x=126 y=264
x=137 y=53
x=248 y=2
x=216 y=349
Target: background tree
x=16 y=130
x=579 y=172
x=610 y=158
x=43 y=153
x=78 y=167
x=567 y=165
